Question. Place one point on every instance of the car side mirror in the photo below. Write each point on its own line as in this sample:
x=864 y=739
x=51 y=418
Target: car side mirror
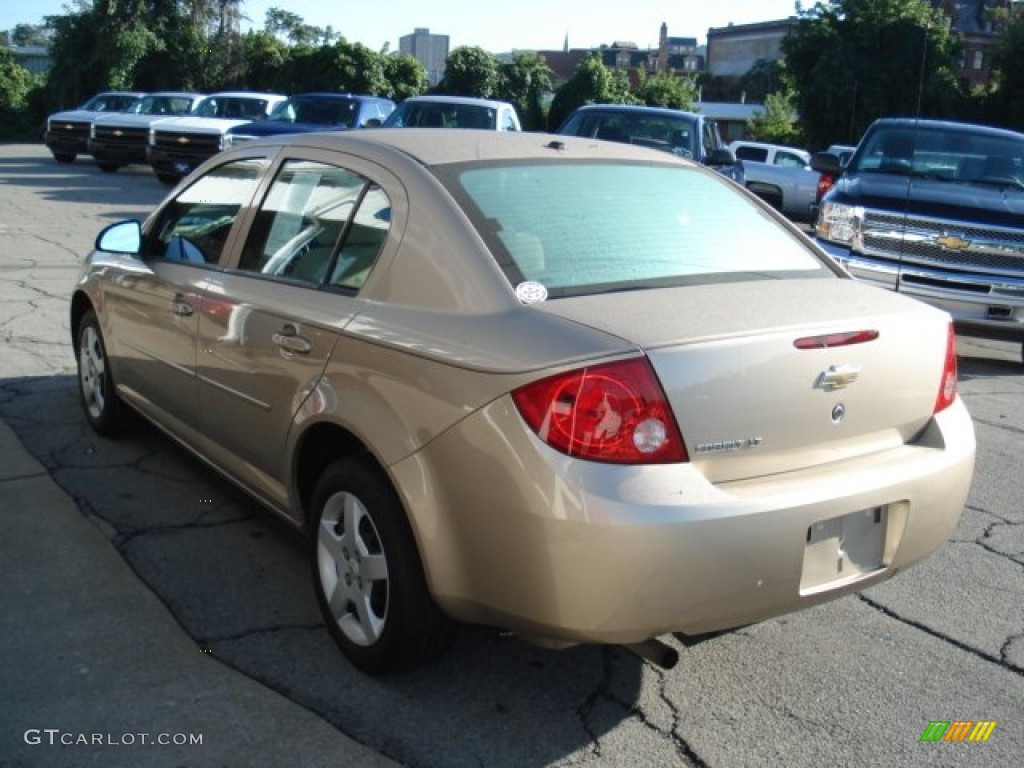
x=721 y=156
x=122 y=237
x=826 y=162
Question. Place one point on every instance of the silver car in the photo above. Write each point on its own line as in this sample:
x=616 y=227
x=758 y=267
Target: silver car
x=584 y=391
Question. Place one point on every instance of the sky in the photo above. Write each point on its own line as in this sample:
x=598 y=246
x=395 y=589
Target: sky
x=495 y=26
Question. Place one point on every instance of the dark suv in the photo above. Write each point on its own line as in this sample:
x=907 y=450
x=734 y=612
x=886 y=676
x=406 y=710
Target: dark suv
x=935 y=210
x=686 y=134
x=311 y=112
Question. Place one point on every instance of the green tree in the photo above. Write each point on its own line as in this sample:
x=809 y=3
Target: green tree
x=777 y=124
x=295 y=30
x=1008 y=77
x=525 y=83
x=126 y=36
x=405 y=75
x=143 y=44
x=74 y=74
x=360 y=69
x=342 y=66
x=763 y=78
x=266 y=61
x=665 y=89
x=849 y=62
x=16 y=86
x=471 y=71
x=15 y=83
x=26 y=34
x=591 y=83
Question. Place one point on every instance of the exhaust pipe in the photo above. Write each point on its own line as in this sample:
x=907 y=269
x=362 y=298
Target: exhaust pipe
x=656 y=652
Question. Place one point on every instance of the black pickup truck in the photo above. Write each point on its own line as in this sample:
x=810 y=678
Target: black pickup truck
x=934 y=209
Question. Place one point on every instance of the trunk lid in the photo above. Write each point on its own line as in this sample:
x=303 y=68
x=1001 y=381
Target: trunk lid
x=748 y=401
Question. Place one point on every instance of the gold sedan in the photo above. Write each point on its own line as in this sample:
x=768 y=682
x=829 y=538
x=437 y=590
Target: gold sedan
x=583 y=391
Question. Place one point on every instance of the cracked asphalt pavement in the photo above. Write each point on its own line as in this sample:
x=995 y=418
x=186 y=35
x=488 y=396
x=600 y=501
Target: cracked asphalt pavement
x=855 y=682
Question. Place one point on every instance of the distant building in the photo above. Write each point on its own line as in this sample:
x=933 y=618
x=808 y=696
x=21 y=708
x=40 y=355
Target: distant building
x=731 y=118
x=34 y=58
x=678 y=54
x=975 y=22
x=430 y=50
x=734 y=50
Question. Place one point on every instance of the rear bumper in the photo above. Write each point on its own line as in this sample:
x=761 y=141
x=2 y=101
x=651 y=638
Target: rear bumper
x=552 y=547
x=984 y=304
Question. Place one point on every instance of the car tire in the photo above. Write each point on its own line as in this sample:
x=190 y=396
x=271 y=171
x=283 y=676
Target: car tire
x=103 y=408
x=168 y=179
x=368 y=575
x=108 y=167
x=64 y=158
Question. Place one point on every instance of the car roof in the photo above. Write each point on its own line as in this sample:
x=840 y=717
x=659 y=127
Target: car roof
x=634 y=109
x=949 y=126
x=183 y=94
x=458 y=100
x=440 y=146
x=247 y=95
x=334 y=96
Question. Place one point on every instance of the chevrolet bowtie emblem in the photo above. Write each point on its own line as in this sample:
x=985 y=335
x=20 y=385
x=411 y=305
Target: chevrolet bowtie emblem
x=118 y=132
x=952 y=243
x=183 y=140
x=838 y=377
x=69 y=127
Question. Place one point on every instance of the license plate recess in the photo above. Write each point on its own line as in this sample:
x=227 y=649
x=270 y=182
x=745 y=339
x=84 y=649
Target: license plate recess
x=844 y=549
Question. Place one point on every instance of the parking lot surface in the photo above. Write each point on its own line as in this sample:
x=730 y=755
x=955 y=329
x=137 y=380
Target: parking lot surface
x=855 y=682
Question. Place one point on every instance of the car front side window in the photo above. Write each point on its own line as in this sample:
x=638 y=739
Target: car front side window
x=194 y=227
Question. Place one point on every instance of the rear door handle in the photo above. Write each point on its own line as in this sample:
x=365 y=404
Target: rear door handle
x=180 y=307
x=289 y=340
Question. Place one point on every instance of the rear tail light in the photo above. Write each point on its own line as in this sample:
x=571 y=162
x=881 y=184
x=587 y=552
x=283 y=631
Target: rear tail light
x=948 y=385
x=615 y=412
x=825 y=183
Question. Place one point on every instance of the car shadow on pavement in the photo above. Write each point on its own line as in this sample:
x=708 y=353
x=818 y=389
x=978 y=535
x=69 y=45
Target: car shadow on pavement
x=236 y=579
x=79 y=182
x=978 y=368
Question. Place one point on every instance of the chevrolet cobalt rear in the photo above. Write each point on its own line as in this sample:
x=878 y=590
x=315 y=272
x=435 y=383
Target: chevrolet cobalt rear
x=583 y=391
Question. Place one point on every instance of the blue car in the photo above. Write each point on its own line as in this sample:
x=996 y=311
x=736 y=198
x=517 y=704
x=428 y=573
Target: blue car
x=311 y=112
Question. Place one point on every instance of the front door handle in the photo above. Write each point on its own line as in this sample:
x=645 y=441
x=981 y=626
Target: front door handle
x=288 y=339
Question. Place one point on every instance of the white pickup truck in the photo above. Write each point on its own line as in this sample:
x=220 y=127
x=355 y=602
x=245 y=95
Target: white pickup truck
x=780 y=175
x=178 y=145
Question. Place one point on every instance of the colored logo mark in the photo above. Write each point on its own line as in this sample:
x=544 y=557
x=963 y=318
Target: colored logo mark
x=958 y=730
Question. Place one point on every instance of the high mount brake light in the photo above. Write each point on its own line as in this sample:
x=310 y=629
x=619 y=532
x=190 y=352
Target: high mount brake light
x=829 y=340
x=614 y=412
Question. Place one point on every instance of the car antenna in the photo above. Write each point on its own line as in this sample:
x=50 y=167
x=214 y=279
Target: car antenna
x=917 y=119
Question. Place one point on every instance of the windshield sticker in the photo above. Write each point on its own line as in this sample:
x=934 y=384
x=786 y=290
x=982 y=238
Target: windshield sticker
x=531 y=292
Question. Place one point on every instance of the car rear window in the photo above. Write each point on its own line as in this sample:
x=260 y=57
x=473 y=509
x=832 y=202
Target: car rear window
x=586 y=227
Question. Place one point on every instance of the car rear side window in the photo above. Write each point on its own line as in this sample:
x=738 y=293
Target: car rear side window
x=580 y=228
x=195 y=225
x=318 y=224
